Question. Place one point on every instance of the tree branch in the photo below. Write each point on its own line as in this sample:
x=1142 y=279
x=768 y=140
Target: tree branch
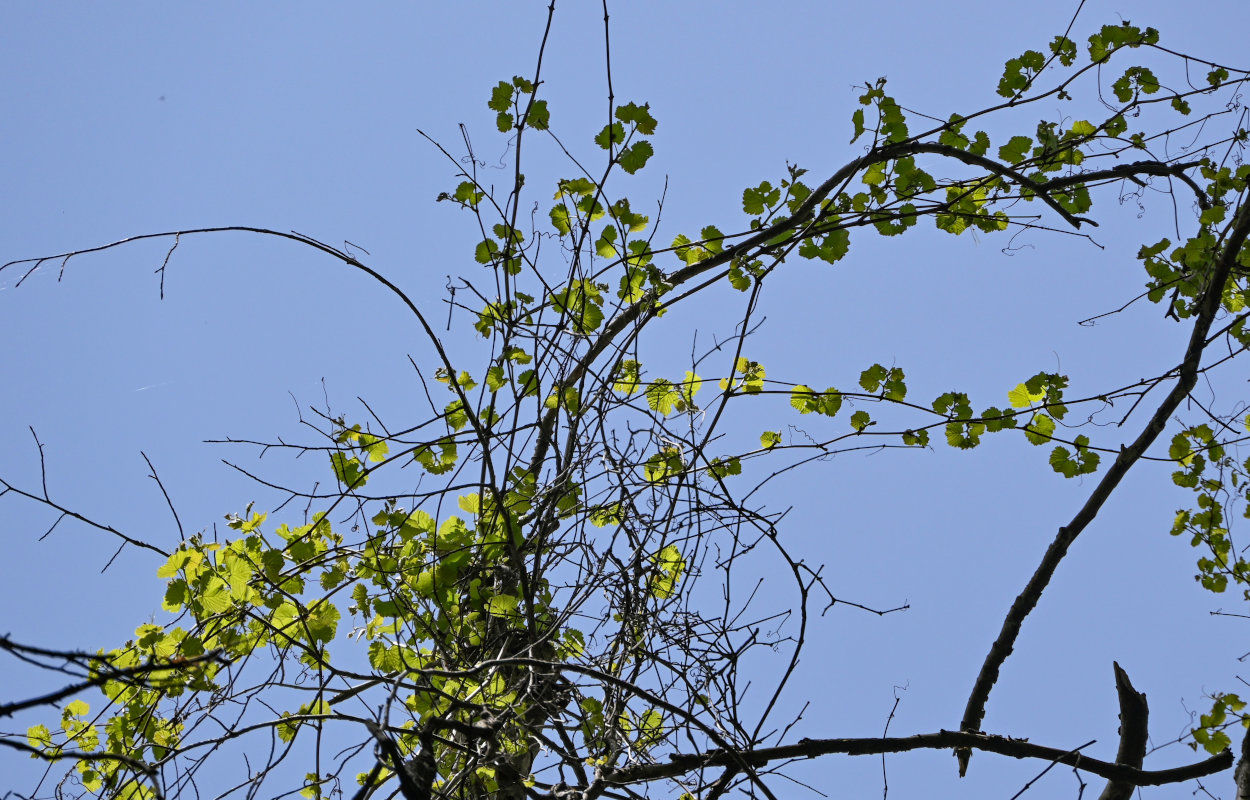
x=1025 y=602
x=78 y=755
x=131 y=675
x=1242 y=773
x=1134 y=715
x=1003 y=745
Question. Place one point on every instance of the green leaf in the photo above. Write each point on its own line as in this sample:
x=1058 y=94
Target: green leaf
x=954 y=405
x=287 y=730
x=471 y=503
x=1061 y=461
x=894 y=388
x=604 y=516
x=980 y=144
x=860 y=420
x=770 y=439
x=177 y=561
x=39 y=737
x=830 y=402
x=539 y=118
x=916 y=438
x=1213 y=215
x=964 y=435
x=495 y=378
x=650 y=729
x=348 y=470
x=561 y=220
x=663 y=465
x=661 y=396
x=669 y=565
x=804 y=399
x=1016 y=149
x=312 y=786
x=486 y=252
x=627 y=380
x=1023 y=397
x=1040 y=429
x=575 y=187
x=626 y=218
x=951 y=136
x=872 y=377
x=1083 y=128
x=322 y=621
x=1135 y=79
x=722 y=468
x=713 y=239
x=437 y=464
x=1084 y=462
x=468 y=194
x=875 y=174
x=568 y=399
x=633 y=286
x=215 y=596
x=501 y=97
x=831 y=248
x=176 y=593
x=1018 y=73
x=808 y=401
x=503 y=605
x=639 y=116
x=374 y=447
x=610 y=135
x=689 y=387
x=1065 y=49
x=580 y=303
x=893 y=122
x=634 y=157
x=605 y=245
x=640 y=254
x=75 y=708
x=857 y=122
x=758 y=200
x=1112 y=37
x=996 y=420
x=889 y=381
x=752 y=376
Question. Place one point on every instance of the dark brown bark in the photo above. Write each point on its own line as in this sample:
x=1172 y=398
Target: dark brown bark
x=1134 y=716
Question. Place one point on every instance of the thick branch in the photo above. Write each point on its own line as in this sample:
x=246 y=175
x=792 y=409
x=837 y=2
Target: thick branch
x=1003 y=745
x=974 y=713
x=416 y=777
x=1041 y=190
x=1134 y=715
x=1242 y=773
x=1130 y=172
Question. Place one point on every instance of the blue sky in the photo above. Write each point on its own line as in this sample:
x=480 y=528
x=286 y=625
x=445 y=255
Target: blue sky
x=120 y=120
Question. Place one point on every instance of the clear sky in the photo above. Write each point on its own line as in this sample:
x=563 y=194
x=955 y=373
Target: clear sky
x=127 y=119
